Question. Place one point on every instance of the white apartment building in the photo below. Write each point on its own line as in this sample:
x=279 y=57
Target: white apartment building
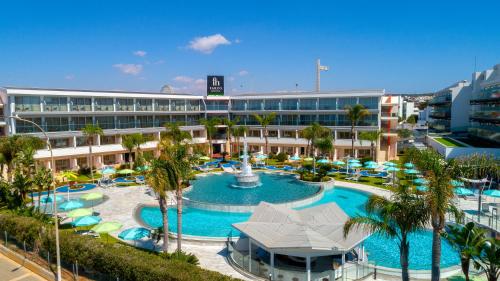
x=63 y=114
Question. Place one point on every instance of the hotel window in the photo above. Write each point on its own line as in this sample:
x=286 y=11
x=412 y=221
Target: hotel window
x=369 y=102
x=193 y=120
x=105 y=122
x=238 y=105
x=343 y=135
x=81 y=104
x=103 y=104
x=179 y=119
x=78 y=123
x=343 y=102
x=25 y=127
x=27 y=103
x=193 y=105
x=144 y=105
x=108 y=140
x=364 y=153
x=271 y=104
x=145 y=121
x=81 y=161
x=306 y=120
x=62 y=164
x=56 y=124
x=343 y=120
x=197 y=134
x=370 y=120
x=239 y=119
x=124 y=104
x=288 y=134
x=126 y=122
x=162 y=105
x=161 y=120
x=272 y=133
x=289 y=104
x=216 y=104
x=109 y=159
x=289 y=119
x=59 y=143
x=254 y=133
x=81 y=141
x=55 y=103
x=178 y=105
x=308 y=104
x=251 y=120
x=327 y=120
x=328 y=104
x=254 y=105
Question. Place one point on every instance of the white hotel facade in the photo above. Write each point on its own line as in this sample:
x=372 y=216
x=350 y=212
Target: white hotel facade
x=63 y=113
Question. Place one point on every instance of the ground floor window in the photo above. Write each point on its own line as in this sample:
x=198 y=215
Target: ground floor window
x=364 y=153
x=348 y=152
x=197 y=134
x=109 y=159
x=274 y=149
x=62 y=164
x=254 y=148
x=59 y=143
x=288 y=150
x=82 y=162
x=108 y=140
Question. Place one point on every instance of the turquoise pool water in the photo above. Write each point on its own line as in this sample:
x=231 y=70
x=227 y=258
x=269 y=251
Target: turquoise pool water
x=218 y=189
x=383 y=251
x=64 y=189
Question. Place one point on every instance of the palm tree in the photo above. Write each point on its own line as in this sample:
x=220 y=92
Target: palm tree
x=355 y=113
x=163 y=178
x=175 y=134
x=264 y=121
x=211 y=128
x=90 y=131
x=239 y=132
x=438 y=199
x=307 y=134
x=70 y=176
x=230 y=126
x=488 y=258
x=397 y=217
x=372 y=137
x=324 y=144
x=465 y=238
x=12 y=146
x=178 y=157
x=21 y=184
x=43 y=181
x=133 y=141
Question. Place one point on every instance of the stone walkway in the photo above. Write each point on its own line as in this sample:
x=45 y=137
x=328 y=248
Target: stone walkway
x=12 y=271
x=121 y=206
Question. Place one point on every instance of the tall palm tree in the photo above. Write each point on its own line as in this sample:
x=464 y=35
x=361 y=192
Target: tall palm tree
x=324 y=144
x=397 y=217
x=175 y=134
x=239 y=132
x=355 y=114
x=307 y=133
x=230 y=125
x=264 y=121
x=162 y=178
x=90 y=131
x=18 y=149
x=465 y=238
x=43 y=181
x=372 y=137
x=133 y=141
x=211 y=128
x=438 y=199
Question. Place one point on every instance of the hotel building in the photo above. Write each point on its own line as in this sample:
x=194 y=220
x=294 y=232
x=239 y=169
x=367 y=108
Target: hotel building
x=63 y=114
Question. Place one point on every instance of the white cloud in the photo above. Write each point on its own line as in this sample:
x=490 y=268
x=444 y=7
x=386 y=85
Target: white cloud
x=237 y=41
x=140 y=53
x=207 y=44
x=69 y=77
x=183 y=79
x=132 y=69
x=243 y=73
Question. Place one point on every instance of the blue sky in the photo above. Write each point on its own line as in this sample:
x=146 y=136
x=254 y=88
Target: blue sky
x=258 y=45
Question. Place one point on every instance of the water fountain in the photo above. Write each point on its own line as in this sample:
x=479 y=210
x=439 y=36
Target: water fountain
x=246 y=178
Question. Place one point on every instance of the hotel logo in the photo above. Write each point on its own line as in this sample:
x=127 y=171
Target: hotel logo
x=215 y=85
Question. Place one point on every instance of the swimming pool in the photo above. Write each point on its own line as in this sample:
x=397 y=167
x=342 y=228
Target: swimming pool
x=383 y=251
x=275 y=188
x=64 y=188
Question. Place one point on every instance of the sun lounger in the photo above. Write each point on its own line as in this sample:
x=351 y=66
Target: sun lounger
x=355 y=177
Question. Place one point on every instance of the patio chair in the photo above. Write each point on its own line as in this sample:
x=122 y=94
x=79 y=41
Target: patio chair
x=355 y=176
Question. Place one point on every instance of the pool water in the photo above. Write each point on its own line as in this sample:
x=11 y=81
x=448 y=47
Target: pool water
x=383 y=251
x=64 y=189
x=274 y=188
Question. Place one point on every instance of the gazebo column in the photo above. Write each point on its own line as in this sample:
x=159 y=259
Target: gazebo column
x=308 y=268
x=343 y=263
x=272 y=265
x=249 y=255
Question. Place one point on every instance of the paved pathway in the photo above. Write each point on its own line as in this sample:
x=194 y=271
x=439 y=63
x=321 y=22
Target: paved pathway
x=123 y=201
x=11 y=271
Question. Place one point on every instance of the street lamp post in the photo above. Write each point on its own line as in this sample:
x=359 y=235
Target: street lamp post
x=54 y=213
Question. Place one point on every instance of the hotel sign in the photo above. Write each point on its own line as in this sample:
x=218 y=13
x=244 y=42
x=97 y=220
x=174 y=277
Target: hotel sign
x=215 y=85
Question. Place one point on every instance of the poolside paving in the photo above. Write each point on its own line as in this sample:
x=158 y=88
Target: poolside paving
x=12 y=271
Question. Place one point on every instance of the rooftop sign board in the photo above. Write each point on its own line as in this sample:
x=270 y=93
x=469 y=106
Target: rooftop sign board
x=215 y=85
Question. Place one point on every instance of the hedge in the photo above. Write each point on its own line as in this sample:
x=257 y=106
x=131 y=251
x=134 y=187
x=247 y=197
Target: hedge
x=116 y=260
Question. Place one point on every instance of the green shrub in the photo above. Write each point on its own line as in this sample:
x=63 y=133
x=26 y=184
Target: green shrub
x=111 y=260
x=181 y=256
x=281 y=157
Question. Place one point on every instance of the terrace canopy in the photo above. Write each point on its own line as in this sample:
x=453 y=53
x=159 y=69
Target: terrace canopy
x=305 y=233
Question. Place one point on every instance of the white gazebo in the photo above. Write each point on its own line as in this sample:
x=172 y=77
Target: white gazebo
x=301 y=234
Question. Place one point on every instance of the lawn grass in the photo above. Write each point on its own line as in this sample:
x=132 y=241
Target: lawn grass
x=449 y=142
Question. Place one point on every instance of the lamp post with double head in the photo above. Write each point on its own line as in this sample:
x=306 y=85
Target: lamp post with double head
x=54 y=213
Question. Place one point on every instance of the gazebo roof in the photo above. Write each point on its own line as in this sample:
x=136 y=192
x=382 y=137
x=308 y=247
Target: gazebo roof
x=314 y=229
